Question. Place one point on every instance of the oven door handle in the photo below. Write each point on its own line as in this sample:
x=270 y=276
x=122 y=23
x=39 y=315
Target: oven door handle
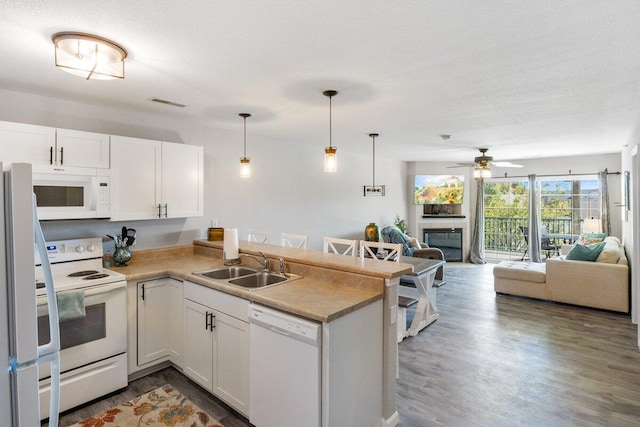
x=96 y=290
x=103 y=289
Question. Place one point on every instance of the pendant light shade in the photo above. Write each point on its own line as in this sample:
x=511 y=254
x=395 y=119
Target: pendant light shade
x=89 y=56
x=373 y=189
x=330 y=157
x=245 y=168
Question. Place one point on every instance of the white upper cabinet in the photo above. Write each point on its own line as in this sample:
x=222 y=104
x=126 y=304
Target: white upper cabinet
x=42 y=145
x=27 y=143
x=82 y=149
x=154 y=179
x=182 y=179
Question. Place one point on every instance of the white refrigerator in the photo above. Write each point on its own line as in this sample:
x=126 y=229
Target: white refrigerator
x=20 y=354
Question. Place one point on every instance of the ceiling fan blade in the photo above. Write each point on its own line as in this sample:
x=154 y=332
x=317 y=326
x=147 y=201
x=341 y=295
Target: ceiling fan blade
x=460 y=165
x=505 y=165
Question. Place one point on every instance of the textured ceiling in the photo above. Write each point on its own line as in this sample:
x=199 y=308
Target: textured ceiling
x=527 y=79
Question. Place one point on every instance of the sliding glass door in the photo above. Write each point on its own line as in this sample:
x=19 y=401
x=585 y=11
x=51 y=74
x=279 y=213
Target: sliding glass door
x=563 y=204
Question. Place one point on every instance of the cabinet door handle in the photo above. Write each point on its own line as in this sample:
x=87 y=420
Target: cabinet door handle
x=213 y=321
x=159 y=210
x=166 y=211
x=142 y=293
x=62 y=155
x=206 y=320
x=51 y=155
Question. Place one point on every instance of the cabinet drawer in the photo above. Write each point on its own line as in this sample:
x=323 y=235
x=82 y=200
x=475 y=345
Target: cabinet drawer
x=225 y=303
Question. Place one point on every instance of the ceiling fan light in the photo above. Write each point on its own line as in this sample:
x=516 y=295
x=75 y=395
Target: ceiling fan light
x=482 y=172
x=89 y=56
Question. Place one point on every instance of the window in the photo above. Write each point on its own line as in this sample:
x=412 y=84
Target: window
x=565 y=203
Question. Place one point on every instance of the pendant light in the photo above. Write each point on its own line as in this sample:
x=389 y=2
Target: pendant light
x=330 y=158
x=245 y=169
x=373 y=189
x=89 y=56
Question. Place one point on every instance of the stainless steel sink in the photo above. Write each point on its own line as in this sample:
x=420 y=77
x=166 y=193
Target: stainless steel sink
x=227 y=272
x=258 y=280
x=245 y=277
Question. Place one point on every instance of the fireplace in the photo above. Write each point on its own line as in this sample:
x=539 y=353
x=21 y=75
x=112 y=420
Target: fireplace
x=448 y=240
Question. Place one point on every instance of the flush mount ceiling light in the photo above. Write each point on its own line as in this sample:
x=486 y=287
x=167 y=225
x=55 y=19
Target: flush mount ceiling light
x=245 y=168
x=89 y=56
x=330 y=158
x=373 y=189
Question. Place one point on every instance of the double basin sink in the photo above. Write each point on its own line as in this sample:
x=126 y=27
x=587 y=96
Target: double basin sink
x=246 y=277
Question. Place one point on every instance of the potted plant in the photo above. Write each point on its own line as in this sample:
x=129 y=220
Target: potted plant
x=401 y=224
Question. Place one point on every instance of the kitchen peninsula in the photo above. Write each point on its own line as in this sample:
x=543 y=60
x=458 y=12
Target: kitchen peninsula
x=354 y=301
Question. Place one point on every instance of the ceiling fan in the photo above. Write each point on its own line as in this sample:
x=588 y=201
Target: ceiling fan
x=483 y=162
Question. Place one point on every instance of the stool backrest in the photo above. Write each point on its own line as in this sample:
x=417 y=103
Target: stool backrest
x=340 y=246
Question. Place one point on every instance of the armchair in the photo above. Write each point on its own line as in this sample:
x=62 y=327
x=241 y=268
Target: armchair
x=411 y=247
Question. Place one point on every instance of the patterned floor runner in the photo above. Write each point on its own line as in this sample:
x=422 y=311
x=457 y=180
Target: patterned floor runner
x=163 y=406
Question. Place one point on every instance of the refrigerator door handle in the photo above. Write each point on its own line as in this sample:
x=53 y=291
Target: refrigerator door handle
x=54 y=401
x=52 y=305
x=49 y=352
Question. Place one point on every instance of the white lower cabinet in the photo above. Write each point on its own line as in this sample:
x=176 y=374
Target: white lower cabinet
x=216 y=339
x=160 y=320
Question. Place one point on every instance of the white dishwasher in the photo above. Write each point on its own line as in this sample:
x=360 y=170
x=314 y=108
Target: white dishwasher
x=284 y=369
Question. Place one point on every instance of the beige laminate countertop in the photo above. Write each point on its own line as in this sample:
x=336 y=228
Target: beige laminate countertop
x=346 y=286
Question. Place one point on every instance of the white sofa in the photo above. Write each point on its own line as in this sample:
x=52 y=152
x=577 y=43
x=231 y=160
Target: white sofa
x=601 y=284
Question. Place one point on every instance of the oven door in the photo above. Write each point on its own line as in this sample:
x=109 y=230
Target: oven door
x=102 y=333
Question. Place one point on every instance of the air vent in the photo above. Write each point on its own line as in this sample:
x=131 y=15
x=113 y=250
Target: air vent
x=164 y=101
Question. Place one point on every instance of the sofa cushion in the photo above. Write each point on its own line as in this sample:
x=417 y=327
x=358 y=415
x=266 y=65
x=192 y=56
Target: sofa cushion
x=585 y=252
x=591 y=238
x=413 y=243
x=613 y=252
x=520 y=270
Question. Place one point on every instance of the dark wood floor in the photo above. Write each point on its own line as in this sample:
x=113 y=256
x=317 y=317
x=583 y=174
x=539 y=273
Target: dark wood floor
x=488 y=361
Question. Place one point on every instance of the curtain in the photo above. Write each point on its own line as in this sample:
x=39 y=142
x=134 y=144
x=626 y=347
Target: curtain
x=476 y=255
x=534 y=222
x=605 y=222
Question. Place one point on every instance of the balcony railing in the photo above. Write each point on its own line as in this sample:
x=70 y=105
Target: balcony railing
x=503 y=237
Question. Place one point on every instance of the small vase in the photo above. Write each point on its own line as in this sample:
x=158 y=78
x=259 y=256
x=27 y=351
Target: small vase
x=121 y=256
x=372 y=233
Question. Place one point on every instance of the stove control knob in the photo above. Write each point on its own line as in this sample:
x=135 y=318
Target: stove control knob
x=79 y=248
x=91 y=248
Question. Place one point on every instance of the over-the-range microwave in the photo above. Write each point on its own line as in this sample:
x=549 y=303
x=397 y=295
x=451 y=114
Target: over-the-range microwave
x=72 y=193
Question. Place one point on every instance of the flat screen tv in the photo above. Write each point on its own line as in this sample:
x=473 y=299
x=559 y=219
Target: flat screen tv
x=438 y=189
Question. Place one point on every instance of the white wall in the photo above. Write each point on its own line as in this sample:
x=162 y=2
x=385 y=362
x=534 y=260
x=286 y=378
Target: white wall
x=288 y=192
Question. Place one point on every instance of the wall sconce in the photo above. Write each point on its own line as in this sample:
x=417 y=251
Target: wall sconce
x=245 y=168
x=330 y=158
x=373 y=189
x=89 y=56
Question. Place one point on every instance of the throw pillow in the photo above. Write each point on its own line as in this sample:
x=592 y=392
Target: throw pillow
x=591 y=238
x=585 y=252
x=413 y=243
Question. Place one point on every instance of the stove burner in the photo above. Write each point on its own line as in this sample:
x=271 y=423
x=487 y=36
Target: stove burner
x=82 y=273
x=95 y=276
x=39 y=285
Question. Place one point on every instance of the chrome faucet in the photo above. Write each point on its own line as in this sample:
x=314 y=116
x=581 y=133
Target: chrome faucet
x=282 y=267
x=264 y=261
